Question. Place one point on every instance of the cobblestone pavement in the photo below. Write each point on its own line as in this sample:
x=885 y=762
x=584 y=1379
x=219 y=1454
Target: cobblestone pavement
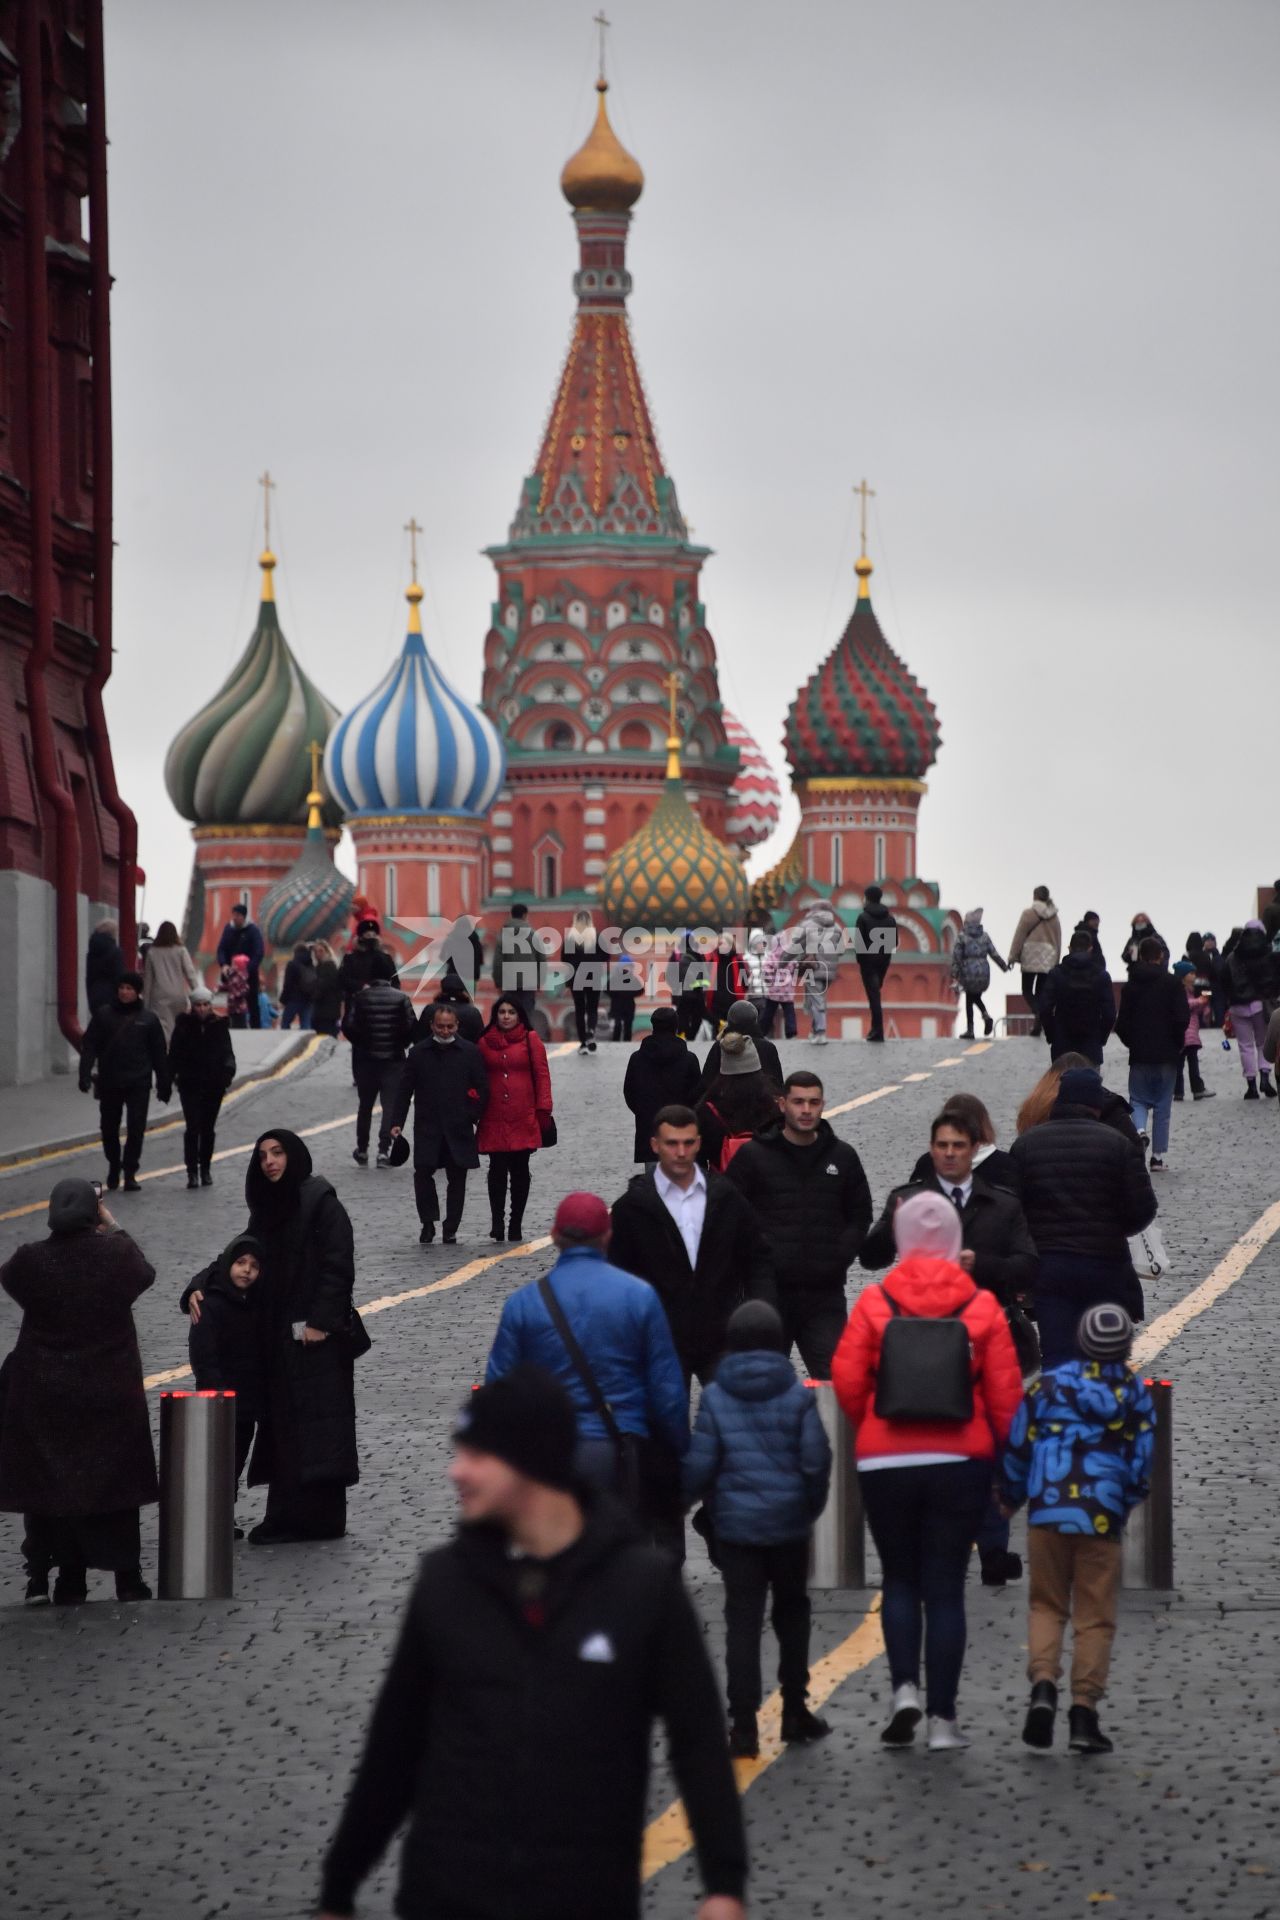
x=188 y=1760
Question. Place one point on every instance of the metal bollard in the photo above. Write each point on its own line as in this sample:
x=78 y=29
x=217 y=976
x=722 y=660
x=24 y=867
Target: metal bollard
x=837 y=1546
x=1148 y=1538
x=197 y=1495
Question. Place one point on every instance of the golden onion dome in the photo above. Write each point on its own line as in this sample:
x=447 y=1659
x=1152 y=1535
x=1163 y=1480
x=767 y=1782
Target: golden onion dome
x=602 y=175
x=673 y=871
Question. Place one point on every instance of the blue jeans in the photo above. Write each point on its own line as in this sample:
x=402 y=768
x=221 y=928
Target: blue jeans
x=1151 y=1092
x=924 y=1521
x=299 y=1010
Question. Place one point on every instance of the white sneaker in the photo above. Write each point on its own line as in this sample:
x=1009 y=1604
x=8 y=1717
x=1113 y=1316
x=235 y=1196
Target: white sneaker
x=906 y=1717
x=582 y=1051
x=945 y=1736
x=820 y=1039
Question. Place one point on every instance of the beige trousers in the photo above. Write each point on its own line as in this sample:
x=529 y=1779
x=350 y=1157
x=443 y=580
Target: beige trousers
x=1073 y=1577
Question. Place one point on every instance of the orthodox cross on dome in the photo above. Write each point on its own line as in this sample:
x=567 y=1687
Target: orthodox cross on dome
x=863 y=566
x=603 y=23
x=412 y=528
x=672 y=685
x=315 y=799
x=267 y=484
x=865 y=493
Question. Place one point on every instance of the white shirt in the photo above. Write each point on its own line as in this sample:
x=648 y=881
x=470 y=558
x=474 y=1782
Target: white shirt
x=687 y=1207
x=951 y=1187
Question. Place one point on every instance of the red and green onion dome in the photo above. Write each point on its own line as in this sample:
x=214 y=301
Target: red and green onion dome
x=863 y=713
x=312 y=900
x=673 y=871
x=243 y=758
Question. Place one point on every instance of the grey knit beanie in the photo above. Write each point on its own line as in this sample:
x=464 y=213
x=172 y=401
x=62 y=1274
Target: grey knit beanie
x=738 y=1054
x=1105 y=1332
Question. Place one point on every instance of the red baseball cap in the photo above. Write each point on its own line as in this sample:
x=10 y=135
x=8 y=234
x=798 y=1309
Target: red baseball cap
x=582 y=1216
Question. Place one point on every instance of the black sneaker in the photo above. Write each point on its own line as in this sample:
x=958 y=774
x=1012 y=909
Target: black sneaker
x=988 y=1025
x=113 y=1179
x=744 y=1739
x=206 y=1176
x=384 y=1159
x=1178 y=1096
x=37 y=1593
x=361 y=1159
x=193 y=1181
x=800 y=1726
x=1037 y=1728
x=70 y=1589
x=132 y=1184
x=1203 y=1093
x=427 y=1235
x=591 y=1045
x=1086 y=1736
x=876 y=1039
x=131 y=1586
x=448 y=1239
x=1264 y=1081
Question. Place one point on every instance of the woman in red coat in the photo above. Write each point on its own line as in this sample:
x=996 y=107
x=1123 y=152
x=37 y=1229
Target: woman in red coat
x=925 y=1483
x=518 y=1113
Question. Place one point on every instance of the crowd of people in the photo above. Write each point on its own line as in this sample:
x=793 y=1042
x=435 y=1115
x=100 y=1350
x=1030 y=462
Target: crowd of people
x=984 y=1368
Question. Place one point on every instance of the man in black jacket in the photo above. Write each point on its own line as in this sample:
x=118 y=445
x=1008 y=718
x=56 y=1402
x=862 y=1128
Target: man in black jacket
x=446 y=1081
x=998 y=1249
x=693 y=1237
x=811 y=1198
x=741 y=1018
x=1084 y=1190
x=381 y=1025
x=125 y=1044
x=1077 y=1005
x=660 y=1073
x=1152 y=1023
x=202 y=1065
x=875 y=943
x=514 y=1724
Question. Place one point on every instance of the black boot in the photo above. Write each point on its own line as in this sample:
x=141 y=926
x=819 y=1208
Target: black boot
x=1264 y=1081
x=130 y=1585
x=744 y=1738
x=1037 y=1728
x=206 y=1175
x=799 y=1725
x=193 y=1179
x=71 y=1588
x=1251 y=1089
x=515 y=1230
x=1086 y=1736
x=496 y=1228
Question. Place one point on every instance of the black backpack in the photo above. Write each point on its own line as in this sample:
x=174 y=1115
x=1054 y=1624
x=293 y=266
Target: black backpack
x=926 y=1367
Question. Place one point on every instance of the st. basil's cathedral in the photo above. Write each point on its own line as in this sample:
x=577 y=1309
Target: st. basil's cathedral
x=599 y=768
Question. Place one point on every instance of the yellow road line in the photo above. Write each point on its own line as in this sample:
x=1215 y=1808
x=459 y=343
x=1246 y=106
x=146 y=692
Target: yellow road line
x=168 y=1126
x=909 y=1078
x=1237 y=1260
x=863 y=1100
x=458 y=1278
x=955 y=1060
x=667 y=1838
x=981 y=1046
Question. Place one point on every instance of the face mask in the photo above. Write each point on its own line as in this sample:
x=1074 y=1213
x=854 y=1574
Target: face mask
x=445 y=1039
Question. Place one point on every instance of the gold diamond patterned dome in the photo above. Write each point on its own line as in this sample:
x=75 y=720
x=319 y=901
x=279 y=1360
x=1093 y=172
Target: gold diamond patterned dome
x=673 y=871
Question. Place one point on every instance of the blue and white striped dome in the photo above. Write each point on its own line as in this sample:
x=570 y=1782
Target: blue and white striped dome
x=414 y=745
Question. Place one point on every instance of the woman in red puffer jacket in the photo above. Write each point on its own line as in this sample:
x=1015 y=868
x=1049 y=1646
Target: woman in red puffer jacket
x=925 y=1484
x=518 y=1113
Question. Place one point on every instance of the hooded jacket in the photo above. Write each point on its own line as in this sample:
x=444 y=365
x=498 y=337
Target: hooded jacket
x=733 y=1262
x=299 y=981
x=103 y=965
x=1084 y=1185
x=1251 y=968
x=662 y=1072
x=1080 y=1449
x=1077 y=1007
x=1037 y=940
x=875 y=937
x=1153 y=1016
x=225 y=1345
x=366 y=960
x=813 y=1205
x=759 y=1455
x=922 y=1284
x=971 y=958
x=519 y=1748
x=620 y=1326
x=126 y=1046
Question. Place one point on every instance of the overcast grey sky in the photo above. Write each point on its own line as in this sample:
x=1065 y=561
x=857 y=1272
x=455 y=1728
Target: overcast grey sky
x=1015 y=262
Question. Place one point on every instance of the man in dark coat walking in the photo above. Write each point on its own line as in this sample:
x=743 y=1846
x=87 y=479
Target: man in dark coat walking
x=364 y=961
x=1152 y=1023
x=1076 y=1003
x=741 y=1018
x=693 y=1237
x=123 y=1048
x=875 y=943
x=241 y=935
x=202 y=1064
x=445 y=1079
x=76 y=1458
x=810 y=1195
x=660 y=1073
x=103 y=965
x=381 y=1026
x=514 y=1725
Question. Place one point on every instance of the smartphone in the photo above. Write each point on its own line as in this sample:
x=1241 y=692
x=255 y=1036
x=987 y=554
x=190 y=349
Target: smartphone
x=97 y=1187
x=299 y=1329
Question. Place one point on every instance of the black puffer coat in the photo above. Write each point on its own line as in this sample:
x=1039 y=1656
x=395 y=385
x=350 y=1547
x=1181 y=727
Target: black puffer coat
x=1152 y=1021
x=124 y=1046
x=662 y=1072
x=813 y=1205
x=1084 y=1187
x=103 y=965
x=76 y=1438
x=308 y=1427
x=1077 y=1007
x=875 y=938
x=380 y=1021
x=1251 y=969
x=449 y=1089
x=202 y=1056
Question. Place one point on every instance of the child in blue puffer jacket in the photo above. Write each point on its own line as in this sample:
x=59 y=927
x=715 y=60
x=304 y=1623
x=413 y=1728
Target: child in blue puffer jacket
x=1080 y=1454
x=760 y=1458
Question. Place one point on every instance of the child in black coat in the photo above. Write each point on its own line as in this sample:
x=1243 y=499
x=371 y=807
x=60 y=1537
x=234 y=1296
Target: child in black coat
x=225 y=1343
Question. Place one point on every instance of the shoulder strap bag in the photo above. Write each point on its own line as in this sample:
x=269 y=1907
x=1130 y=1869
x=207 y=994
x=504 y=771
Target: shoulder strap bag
x=625 y=1445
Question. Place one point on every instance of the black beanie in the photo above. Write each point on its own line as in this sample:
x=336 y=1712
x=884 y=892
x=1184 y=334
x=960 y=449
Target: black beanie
x=131 y=979
x=525 y=1418
x=754 y=1326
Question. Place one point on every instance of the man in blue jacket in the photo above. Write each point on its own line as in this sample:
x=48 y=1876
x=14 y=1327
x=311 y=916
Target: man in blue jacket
x=633 y=1405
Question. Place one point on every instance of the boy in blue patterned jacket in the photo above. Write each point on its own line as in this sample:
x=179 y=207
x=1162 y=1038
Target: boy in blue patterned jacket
x=1080 y=1453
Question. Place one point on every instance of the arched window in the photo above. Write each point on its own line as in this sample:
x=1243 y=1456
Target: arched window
x=560 y=737
x=634 y=737
x=550 y=875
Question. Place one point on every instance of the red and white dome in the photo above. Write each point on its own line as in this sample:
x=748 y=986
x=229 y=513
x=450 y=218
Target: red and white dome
x=755 y=798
